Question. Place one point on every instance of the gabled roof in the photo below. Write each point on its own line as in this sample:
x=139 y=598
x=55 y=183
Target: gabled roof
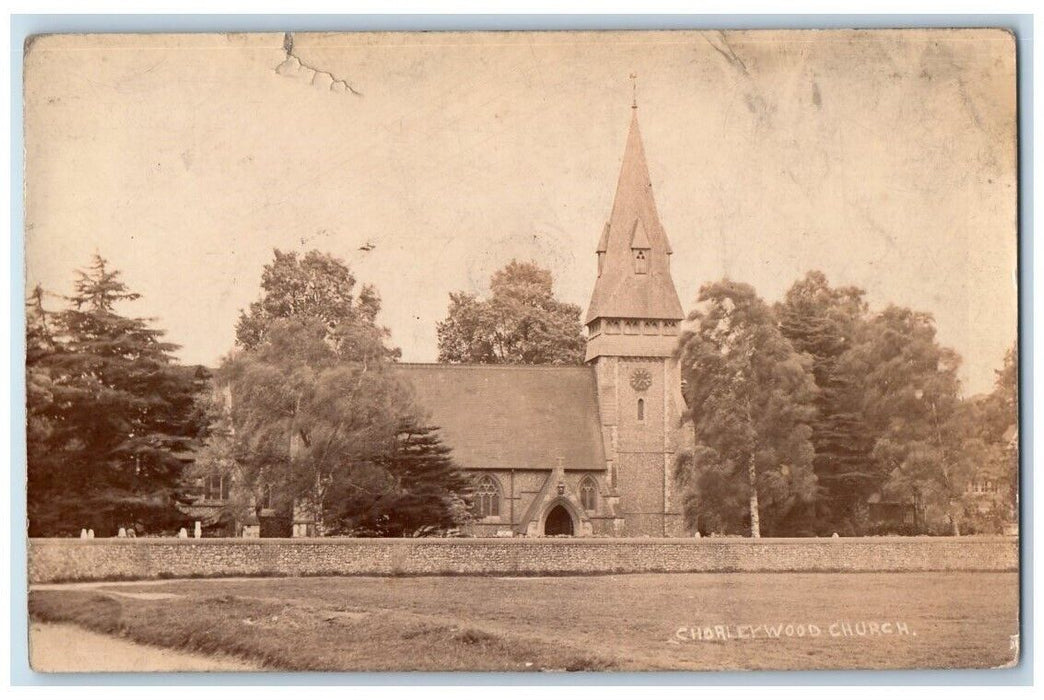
x=619 y=291
x=639 y=239
x=512 y=416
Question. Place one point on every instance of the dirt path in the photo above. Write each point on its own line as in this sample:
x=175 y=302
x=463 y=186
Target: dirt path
x=61 y=648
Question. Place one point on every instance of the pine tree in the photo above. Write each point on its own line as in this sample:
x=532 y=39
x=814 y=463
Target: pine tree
x=113 y=413
x=425 y=492
x=826 y=323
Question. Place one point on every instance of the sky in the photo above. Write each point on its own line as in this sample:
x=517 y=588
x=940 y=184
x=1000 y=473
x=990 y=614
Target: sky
x=886 y=159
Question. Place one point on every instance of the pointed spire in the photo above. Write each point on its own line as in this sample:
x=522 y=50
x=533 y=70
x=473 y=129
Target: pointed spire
x=624 y=289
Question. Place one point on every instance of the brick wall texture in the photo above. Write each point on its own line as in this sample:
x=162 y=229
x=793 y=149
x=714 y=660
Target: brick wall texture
x=52 y=560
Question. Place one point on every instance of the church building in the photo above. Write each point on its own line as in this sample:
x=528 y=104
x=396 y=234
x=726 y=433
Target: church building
x=585 y=450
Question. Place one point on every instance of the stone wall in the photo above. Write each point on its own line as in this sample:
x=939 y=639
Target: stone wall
x=53 y=560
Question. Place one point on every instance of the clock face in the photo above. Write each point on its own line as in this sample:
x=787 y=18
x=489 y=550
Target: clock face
x=641 y=379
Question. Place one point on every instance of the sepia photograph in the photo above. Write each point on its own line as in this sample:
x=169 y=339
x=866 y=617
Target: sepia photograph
x=531 y=351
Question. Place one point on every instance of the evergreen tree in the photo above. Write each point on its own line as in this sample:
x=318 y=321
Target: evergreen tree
x=425 y=491
x=521 y=323
x=40 y=344
x=110 y=412
x=826 y=323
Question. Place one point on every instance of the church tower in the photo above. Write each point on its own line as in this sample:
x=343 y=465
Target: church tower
x=632 y=330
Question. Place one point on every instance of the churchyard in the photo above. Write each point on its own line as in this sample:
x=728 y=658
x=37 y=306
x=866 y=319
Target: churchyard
x=650 y=621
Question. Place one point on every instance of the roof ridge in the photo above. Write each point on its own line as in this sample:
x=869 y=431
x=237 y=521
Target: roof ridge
x=479 y=365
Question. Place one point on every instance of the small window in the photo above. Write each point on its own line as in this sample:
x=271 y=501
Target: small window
x=641 y=409
x=589 y=493
x=487 y=498
x=266 y=496
x=217 y=487
x=641 y=262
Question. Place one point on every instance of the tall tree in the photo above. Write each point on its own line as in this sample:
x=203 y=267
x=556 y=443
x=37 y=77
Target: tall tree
x=826 y=323
x=321 y=287
x=911 y=400
x=316 y=411
x=307 y=417
x=110 y=413
x=520 y=323
x=749 y=397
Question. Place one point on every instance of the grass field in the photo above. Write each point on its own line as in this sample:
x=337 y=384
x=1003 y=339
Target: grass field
x=625 y=622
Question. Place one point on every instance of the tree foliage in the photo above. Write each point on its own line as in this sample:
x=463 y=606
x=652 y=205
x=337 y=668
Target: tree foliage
x=1000 y=416
x=749 y=398
x=958 y=460
x=318 y=415
x=891 y=424
x=911 y=395
x=827 y=323
x=994 y=420
x=520 y=323
x=110 y=413
x=423 y=491
x=316 y=286
x=309 y=420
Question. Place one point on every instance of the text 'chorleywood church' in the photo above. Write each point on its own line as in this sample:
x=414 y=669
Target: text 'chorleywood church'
x=580 y=450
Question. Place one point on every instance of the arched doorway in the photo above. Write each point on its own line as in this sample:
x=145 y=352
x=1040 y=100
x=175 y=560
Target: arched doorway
x=558 y=522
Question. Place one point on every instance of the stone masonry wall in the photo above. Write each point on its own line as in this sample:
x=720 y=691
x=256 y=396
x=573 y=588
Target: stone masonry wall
x=52 y=560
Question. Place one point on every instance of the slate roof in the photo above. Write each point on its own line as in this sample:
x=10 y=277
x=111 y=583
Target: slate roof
x=619 y=292
x=512 y=416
